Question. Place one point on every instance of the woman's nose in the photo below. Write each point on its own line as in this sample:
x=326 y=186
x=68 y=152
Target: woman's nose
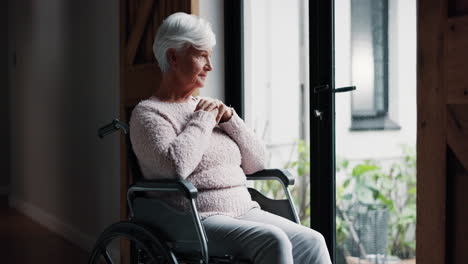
x=208 y=66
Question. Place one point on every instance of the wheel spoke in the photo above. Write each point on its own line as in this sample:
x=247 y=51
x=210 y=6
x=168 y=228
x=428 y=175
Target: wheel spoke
x=106 y=256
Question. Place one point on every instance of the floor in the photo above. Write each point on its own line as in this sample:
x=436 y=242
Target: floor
x=353 y=260
x=23 y=241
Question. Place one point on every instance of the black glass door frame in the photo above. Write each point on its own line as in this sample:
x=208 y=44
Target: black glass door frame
x=234 y=55
x=322 y=123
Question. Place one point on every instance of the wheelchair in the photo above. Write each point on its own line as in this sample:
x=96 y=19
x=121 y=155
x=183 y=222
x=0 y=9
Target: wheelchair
x=159 y=233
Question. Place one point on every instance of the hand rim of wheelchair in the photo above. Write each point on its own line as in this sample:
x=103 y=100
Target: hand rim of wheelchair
x=136 y=233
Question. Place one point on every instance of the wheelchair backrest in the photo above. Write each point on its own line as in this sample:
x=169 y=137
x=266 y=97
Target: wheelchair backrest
x=174 y=226
x=133 y=165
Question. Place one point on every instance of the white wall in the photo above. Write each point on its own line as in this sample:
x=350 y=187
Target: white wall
x=402 y=85
x=213 y=11
x=64 y=87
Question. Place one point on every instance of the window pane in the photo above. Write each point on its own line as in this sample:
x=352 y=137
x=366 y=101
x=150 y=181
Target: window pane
x=276 y=87
x=375 y=169
x=369 y=56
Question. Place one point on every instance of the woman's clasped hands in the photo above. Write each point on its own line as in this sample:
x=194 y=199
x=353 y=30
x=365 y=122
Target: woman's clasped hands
x=224 y=112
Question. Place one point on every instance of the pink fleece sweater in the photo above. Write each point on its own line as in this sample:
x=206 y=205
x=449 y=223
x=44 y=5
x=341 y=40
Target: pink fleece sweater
x=172 y=141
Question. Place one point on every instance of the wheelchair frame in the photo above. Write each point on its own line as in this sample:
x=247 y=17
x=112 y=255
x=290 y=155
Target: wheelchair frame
x=140 y=185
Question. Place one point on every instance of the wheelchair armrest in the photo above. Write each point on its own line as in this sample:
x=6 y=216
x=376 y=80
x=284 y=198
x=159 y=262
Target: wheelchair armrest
x=186 y=187
x=282 y=175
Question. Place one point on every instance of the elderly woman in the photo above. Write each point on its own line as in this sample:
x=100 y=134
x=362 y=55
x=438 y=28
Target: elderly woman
x=205 y=142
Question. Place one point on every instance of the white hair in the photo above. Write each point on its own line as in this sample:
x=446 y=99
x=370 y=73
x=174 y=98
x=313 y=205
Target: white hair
x=180 y=31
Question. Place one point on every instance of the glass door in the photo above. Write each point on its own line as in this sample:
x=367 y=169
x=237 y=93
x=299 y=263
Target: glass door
x=375 y=130
x=276 y=89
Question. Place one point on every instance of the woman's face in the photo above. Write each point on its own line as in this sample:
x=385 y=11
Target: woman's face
x=192 y=66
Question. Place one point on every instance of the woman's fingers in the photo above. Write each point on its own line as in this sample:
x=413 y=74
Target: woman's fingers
x=201 y=104
x=221 y=110
x=210 y=106
x=207 y=105
x=214 y=105
x=204 y=103
x=227 y=113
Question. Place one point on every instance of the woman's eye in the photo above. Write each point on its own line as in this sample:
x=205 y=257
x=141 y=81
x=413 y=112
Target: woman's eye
x=204 y=57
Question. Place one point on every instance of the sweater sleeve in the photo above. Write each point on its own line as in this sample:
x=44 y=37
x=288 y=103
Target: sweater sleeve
x=252 y=149
x=157 y=145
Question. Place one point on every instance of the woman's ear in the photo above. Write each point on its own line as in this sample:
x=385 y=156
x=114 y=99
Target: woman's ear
x=171 y=56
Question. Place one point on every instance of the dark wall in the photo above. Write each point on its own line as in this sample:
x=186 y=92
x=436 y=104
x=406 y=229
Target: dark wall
x=4 y=101
x=65 y=86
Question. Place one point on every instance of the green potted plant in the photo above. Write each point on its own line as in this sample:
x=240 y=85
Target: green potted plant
x=364 y=211
x=392 y=187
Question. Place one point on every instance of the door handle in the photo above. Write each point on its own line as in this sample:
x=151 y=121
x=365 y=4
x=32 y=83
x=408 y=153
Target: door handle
x=322 y=88
x=344 y=89
x=326 y=87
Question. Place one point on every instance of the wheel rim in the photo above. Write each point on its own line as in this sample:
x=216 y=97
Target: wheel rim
x=148 y=248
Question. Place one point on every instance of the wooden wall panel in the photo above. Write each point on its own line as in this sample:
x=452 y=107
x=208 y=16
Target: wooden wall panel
x=456 y=72
x=457 y=213
x=143 y=18
x=139 y=73
x=442 y=148
x=457 y=132
x=458 y=7
x=431 y=138
x=143 y=78
x=457 y=183
x=456 y=65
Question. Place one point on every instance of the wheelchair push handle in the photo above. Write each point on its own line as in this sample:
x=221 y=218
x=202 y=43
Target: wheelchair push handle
x=110 y=128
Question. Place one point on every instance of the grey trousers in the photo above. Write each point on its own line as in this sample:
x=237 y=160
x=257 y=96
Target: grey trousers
x=265 y=238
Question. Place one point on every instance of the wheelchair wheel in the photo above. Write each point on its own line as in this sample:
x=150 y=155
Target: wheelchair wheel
x=146 y=247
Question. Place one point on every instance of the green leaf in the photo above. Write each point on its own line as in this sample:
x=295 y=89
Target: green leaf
x=387 y=202
x=412 y=190
x=363 y=168
x=348 y=196
x=346 y=183
x=345 y=164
